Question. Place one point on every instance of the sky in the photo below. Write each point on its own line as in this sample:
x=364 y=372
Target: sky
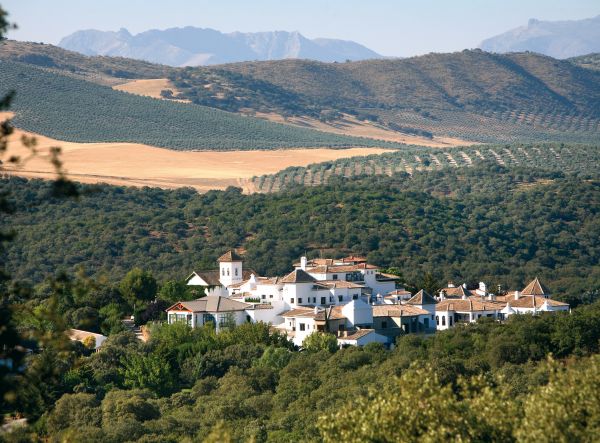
x=389 y=27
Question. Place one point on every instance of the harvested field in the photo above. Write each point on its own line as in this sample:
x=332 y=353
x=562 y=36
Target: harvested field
x=131 y=164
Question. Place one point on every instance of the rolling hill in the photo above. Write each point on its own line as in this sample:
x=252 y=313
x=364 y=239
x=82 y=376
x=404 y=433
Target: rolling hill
x=192 y=46
x=75 y=110
x=469 y=95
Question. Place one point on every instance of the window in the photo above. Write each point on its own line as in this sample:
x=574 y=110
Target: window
x=291 y=300
x=323 y=300
x=331 y=298
x=236 y=272
x=227 y=272
x=443 y=320
x=314 y=299
x=437 y=320
x=302 y=326
x=450 y=319
x=432 y=318
x=223 y=272
x=299 y=300
x=384 y=324
x=354 y=296
x=340 y=298
x=270 y=295
x=263 y=296
x=335 y=276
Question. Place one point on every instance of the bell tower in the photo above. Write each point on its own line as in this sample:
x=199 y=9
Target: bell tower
x=230 y=268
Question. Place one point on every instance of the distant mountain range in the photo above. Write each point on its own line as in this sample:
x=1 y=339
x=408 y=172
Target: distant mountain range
x=560 y=39
x=192 y=46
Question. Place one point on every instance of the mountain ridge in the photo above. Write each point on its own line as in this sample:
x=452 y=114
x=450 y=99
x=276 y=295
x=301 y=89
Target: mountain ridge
x=559 y=39
x=191 y=46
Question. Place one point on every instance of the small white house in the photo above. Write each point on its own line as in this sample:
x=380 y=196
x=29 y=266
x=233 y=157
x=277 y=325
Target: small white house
x=361 y=337
x=218 y=310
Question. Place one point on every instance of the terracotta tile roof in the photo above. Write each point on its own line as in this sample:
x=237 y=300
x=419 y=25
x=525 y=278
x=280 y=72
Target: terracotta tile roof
x=397 y=311
x=357 y=334
x=354 y=259
x=399 y=292
x=332 y=313
x=323 y=269
x=300 y=312
x=457 y=291
x=298 y=276
x=422 y=298
x=531 y=301
x=211 y=303
x=230 y=256
x=471 y=304
x=340 y=284
x=535 y=287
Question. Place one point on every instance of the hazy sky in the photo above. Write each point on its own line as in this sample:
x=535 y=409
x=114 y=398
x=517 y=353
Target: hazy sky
x=390 y=27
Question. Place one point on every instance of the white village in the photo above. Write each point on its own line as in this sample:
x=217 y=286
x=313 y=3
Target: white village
x=347 y=297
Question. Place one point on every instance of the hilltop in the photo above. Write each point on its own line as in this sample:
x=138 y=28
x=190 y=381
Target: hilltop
x=192 y=46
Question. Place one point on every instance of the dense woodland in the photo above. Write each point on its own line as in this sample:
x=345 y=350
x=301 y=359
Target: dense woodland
x=503 y=225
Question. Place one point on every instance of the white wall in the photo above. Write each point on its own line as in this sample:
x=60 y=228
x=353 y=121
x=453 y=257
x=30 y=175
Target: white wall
x=357 y=312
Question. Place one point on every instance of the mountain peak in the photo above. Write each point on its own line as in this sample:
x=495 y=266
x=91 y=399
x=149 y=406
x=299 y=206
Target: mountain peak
x=558 y=39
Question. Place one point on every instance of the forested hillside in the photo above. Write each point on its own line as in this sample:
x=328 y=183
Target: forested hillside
x=490 y=223
x=70 y=109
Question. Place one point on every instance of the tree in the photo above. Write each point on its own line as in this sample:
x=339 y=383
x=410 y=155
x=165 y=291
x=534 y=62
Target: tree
x=138 y=286
x=175 y=290
x=74 y=410
x=148 y=372
x=319 y=341
x=567 y=408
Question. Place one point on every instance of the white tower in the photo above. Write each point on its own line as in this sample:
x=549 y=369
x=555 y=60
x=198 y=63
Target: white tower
x=230 y=268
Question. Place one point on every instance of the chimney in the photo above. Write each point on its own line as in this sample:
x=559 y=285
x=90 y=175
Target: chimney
x=464 y=285
x=482 y=286
x=303 y=263
x=517 y=295
x=316 y=310
x=443 y=294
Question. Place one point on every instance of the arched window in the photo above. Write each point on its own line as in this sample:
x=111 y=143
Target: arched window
x=236 y=272
x=223 y=272
x=227 y=272
x=443 y=320
x=437 y=320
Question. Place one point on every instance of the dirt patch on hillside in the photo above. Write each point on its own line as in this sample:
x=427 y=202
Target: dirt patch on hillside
x=349 y=125
x=132 y=164
x=149 y=88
